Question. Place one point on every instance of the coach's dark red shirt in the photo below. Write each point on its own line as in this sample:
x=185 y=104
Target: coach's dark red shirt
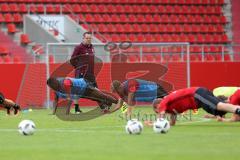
x=83 y=55
x=179 y=101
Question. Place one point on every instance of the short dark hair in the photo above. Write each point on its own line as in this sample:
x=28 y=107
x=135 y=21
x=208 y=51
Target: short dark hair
x=156 y=103
x=222 y=98
x=84 y=34
x=115 y=85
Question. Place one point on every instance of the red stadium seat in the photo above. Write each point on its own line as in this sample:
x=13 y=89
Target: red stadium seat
x=219 y=57
x=123 y=18
x=84 y=8
x=40 y=8
x=4 y=7
x=209 y=57
x=227 y=57
x=50 y=8
x=89 y=18
x=140 y=18
x=132 y=58
x=110 y=8
x=98 y=18
x=140 y=38
x=17 y=59
x=13 y=7
x=119 y=28
x=158 y=58
x=203 y=28
x=176 y=58
x=93 y=8
x=17 y=18
x=153 y=9
x=3 y=50
x=144 y=9
x=224 y=39
x=58 y=8
x=219 y=28
x=128 y=28
x=145 y=28
x=115 y=18
x=12 y=28
x=22 y=8
x=123 y=37
x=67 y=8
x=24 y=39
x=149 y=38
x=119 y=8
x=153 y=28
x=128 y=9
x=8 y=18
x=7 y=59
x=148 y=58
x=209 y=38
x=106 y=18
x=156 y=18
x=164 y=19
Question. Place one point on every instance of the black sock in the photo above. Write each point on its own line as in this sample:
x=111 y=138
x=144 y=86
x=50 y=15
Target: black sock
x=237 y=111
x=76 y=108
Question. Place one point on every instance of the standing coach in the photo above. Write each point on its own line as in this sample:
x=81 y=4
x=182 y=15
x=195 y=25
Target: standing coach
x=83 y=61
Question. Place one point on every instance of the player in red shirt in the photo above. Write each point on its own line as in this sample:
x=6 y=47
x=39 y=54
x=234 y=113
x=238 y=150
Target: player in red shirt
x=235 y=100
x=192 y=98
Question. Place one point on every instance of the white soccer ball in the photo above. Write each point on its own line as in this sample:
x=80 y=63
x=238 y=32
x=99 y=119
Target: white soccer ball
x=161 y=126
x=134 y=127
x=26 y=127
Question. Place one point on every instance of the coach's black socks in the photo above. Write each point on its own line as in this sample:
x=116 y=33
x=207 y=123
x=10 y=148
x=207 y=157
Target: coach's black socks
x=77 y=109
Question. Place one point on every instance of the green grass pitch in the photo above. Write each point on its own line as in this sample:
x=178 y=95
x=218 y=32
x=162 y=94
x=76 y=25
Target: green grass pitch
x=104 y=138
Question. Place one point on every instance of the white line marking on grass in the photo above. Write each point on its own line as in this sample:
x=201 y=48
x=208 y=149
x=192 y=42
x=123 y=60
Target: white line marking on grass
x=202 y=120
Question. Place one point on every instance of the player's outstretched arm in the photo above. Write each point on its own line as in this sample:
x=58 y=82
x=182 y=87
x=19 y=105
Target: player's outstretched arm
x=173 y=118
x=117 y=106
x=8 y=104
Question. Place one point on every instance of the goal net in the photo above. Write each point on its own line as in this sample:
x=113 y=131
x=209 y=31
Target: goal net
x=164 y=63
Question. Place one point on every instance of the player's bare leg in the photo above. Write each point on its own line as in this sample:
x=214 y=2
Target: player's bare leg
x=227 y=107
x=97 y=95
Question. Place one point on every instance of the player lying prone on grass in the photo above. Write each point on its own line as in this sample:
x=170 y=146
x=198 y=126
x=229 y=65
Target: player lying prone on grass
x=80 y=87
x=137 y=90
x=230 y=95
x=9 y=105
x=192 y=98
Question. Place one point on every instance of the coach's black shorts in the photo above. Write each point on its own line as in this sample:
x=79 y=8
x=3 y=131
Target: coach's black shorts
x=206 y=100
x=161 y=91
x=2 y=98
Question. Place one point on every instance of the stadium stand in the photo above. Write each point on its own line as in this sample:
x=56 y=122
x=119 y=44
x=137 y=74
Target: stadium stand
x=199 y=22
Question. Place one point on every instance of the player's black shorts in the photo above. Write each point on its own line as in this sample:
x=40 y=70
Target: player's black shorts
x=206 y=100
x=2 y=98
x=161 y=91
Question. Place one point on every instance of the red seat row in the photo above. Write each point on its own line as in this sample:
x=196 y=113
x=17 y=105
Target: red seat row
x=93 y=8
x=177 y=58
x=177 y=2
x=154 y=28
x=156 y=18
x=9 y=18
x=192 y=38
x=10 y=59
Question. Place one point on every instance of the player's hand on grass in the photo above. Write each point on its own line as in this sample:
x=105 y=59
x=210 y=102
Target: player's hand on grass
x=148 y=123
x=220 y=119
